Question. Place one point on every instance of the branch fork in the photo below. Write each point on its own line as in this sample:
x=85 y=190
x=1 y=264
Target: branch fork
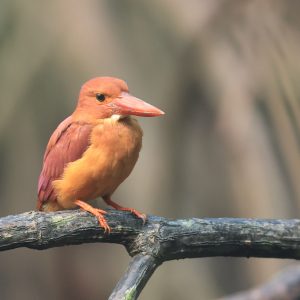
x=157 y=241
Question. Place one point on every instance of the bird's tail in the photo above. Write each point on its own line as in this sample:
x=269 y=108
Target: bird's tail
x=48 y=206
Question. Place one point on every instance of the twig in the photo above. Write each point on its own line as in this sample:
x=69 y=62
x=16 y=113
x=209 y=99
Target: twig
x=285 y=285
x=138 y=273
x=157 y=241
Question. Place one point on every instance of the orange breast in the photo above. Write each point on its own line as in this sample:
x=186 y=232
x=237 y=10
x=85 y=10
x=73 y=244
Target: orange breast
x=114 y=150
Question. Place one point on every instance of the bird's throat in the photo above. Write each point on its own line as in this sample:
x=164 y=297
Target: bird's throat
x=117 y=117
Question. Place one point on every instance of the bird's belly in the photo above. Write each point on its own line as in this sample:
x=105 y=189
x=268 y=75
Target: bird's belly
x=98 y=173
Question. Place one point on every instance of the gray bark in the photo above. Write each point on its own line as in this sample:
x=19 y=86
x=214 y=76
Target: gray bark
x=285 y=285
x=157 y=241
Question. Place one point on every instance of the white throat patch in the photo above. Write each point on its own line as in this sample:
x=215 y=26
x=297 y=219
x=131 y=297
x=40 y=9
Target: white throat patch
x=116 y=117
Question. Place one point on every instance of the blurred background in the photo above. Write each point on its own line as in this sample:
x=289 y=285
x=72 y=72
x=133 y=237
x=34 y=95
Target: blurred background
x=226 y=72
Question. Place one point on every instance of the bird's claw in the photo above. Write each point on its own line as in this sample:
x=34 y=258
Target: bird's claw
x=103 y=223
x=119 y=207
x=97 y=212
x=138 y=214
x=100 y=211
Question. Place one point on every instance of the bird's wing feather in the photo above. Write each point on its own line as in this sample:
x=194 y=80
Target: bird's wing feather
x=67 y=143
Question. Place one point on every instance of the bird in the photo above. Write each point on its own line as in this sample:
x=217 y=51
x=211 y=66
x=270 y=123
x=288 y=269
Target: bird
x=94 y=150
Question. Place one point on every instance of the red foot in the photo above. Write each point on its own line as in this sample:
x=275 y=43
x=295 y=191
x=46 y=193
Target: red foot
x=96 y=212
x=113 y=204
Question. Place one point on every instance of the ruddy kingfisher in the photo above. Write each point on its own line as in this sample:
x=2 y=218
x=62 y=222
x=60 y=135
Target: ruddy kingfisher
x=93 y=150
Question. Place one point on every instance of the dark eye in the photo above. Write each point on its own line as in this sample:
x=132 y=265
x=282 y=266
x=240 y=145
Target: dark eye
x=100 y=97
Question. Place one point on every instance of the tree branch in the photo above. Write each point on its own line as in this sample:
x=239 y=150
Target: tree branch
x=138 y=273
x=285 y=285
x=159 y=237
x=157 y=241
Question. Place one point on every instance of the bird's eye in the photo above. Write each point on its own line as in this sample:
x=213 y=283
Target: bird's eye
x=100 y=97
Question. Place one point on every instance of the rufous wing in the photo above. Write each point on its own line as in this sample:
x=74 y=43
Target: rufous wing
x=68 y=143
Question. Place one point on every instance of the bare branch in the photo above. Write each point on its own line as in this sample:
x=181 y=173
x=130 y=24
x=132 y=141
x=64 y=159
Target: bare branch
x=138 y=273
x=157 y=241
x=159 y=237
x=286 y=285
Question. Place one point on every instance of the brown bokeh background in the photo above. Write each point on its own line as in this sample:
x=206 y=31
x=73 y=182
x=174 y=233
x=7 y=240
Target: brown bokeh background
x=226 y=72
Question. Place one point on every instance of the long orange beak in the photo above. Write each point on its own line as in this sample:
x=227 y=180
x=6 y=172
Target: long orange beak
x=126 y=104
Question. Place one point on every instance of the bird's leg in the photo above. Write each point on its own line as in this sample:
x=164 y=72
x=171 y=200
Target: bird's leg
x=113 y=204
x=96 y=212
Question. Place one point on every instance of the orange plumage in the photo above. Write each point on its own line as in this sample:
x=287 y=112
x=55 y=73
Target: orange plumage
x=93 y=151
